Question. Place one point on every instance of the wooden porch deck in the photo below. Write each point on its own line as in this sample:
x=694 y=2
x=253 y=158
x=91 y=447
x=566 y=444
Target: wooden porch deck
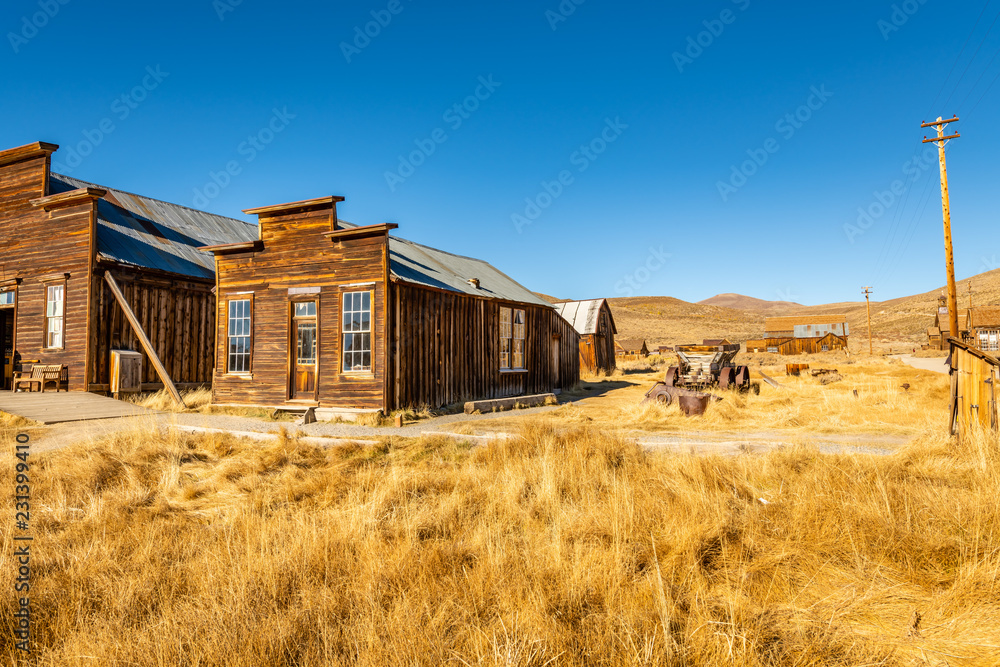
x=55 y=408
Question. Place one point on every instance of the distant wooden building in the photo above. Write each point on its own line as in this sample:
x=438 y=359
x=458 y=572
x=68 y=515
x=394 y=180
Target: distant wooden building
x=939 y=332
x=982 y=327
x=67 y=246
x=596 y=326
x=802 y=335
x=632 y=348
x=322 y=313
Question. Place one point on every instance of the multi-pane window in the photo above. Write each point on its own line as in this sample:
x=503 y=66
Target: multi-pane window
x=7 y=298
x=511 y=339
x=989 y=341
x=517 y=360
x=357 y=331
x=240 y=333
x=55 y=315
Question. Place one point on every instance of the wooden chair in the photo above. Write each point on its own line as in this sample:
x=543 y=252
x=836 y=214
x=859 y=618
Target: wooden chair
x=41 y=375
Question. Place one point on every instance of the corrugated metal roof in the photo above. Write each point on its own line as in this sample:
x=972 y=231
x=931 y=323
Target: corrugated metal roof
x=154 y=234
x=583 y=315
x=421 y=265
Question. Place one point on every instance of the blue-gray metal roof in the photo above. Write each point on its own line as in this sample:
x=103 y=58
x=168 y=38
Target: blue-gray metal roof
x=421 y=265
x=418 y=264
x=143 y=232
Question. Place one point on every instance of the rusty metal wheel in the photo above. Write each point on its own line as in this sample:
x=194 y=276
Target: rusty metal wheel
x=726 y=377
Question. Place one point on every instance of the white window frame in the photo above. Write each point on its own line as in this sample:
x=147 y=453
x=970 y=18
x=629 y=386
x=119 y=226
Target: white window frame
x=55 y=316
x=239 y=327
x=353 y=303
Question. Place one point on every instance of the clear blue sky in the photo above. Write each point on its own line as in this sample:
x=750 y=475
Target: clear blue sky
x=661 y=131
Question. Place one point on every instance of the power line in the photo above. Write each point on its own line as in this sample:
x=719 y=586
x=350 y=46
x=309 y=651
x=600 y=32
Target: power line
x=958 y=57
x=965 y=71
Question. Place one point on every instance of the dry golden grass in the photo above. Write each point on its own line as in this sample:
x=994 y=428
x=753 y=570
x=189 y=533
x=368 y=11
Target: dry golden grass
x=803 y=405
x=572 y=549
x=200 y=401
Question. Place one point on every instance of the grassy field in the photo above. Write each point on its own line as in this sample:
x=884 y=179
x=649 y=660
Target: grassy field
x=568 y=546
x=802 y=405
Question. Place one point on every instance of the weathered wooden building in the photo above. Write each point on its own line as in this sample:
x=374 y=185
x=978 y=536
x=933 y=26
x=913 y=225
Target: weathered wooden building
x=632 y=348
x=67 y=246
x=939 y=332
x=982 y=328
x=801 y=335
x=974 y=377
x=322 y=313
x=593 y=321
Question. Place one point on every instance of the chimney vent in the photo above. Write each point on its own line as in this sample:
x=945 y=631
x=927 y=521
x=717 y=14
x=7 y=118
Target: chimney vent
x=474 y=282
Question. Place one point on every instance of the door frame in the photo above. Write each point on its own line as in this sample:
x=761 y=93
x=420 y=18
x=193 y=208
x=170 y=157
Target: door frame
x=293 y=348
x=11 y=313
x=555 y=351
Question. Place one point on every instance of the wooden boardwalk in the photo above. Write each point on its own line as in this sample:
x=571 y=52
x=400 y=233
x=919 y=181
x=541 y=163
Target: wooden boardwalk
x=55 y=408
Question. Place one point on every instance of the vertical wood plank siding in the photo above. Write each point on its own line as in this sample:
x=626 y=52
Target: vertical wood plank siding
x=447 y=349
x=974 y=393
x=177 y=316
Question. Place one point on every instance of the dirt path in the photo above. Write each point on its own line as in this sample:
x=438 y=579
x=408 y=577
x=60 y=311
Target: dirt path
x=934 y=364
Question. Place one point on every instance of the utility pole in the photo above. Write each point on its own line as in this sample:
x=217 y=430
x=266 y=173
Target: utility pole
x=868 y=291
x=949 y=255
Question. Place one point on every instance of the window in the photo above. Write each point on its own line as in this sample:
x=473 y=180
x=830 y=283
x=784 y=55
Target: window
x=305 y=333
x=826 y=348
x=7 y=298
x=772 y=350
x=240 y=333
x=989 y=341
x=357 y=332
x=55 y=315
x=511 y=339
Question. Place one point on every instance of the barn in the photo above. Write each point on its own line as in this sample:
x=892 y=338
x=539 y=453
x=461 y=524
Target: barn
x=593 y=321
x=86 y=270
x=345 y=319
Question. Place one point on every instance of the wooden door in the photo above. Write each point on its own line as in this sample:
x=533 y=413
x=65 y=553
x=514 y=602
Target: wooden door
x=304 y=346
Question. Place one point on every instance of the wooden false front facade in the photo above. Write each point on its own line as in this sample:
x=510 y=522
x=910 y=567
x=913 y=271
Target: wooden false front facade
x=55 y=305
x=315 y=313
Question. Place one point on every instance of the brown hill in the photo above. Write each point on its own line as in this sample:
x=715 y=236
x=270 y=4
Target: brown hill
x=742 y=302
x=670 y=321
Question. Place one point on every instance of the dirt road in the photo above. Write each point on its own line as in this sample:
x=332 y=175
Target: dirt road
x=935 y=364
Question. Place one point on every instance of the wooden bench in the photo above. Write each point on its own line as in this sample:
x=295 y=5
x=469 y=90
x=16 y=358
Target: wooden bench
x=41 y=375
